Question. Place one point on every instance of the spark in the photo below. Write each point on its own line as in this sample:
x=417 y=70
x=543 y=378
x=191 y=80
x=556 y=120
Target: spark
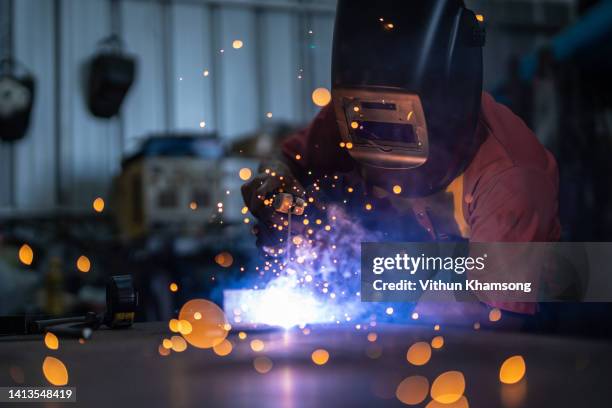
x=495 y=314
x=178 y=344
x=437 y=342
x=223 y=349
x=185 y=327
x=208 y=331
x=224 y=259
x=83 y=264
x=412 y=390
x=512 y=370
x=320 y=357
x=419 y=353
x=51 y=341
x=98 y=204
x=26 y=254
x=55 y=371
x=257 y=345
x=448 y=387
x=262 y=364
x=245 y=173
x=321 y=96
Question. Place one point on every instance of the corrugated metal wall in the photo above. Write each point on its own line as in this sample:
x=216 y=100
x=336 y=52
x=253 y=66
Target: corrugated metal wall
x=69 y=157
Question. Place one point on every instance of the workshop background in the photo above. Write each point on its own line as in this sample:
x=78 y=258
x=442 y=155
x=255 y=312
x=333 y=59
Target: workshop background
x=154 y=191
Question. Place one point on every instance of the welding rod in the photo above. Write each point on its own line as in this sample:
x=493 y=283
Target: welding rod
x=285 y=203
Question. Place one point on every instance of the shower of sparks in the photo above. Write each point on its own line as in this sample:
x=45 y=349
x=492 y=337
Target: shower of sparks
x=312 y=278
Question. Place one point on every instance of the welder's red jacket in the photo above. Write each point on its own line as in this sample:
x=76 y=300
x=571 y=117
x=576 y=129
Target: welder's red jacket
x=509 y=192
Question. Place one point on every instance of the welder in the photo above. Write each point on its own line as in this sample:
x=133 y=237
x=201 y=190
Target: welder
x=410 y=131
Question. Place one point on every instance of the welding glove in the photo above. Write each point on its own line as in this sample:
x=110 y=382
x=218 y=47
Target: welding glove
x=258 y=195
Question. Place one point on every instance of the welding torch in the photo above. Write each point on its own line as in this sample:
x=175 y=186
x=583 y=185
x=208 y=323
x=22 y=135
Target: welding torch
x=289 y=204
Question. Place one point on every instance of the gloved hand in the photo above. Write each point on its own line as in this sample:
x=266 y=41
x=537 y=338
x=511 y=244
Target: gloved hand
x=258 y=195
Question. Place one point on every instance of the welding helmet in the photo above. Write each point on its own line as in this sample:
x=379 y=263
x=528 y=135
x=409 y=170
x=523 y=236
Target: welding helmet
x=16 y=100
x=406 y=87
x=111 y=74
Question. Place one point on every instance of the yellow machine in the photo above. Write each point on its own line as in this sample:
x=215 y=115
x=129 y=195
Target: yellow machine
x=179 y=194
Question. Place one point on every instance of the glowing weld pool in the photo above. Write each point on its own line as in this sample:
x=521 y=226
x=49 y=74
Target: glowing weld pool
x=274 y=307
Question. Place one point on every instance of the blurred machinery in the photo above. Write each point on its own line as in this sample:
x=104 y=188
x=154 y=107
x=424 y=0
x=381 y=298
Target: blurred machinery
x=171 y=184
x=180 y=183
